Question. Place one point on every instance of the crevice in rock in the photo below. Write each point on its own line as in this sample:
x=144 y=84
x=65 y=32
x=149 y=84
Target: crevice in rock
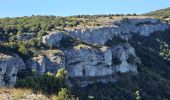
x=116 y=61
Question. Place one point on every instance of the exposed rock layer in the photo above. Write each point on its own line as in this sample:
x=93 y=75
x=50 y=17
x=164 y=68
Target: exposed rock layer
x=105 y=50
x=102 y=61
x=124 y=29
x=94 y=55
x=51 y=61
x=10 y=64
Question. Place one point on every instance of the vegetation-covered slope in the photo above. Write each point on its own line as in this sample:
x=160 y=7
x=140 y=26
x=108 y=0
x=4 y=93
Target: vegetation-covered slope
x=49 y=23
x=163 y=14
x=151 y=83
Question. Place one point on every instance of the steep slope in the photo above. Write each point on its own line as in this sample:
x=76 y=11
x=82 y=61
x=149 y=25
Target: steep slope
x=95 y=54
x=152 y=80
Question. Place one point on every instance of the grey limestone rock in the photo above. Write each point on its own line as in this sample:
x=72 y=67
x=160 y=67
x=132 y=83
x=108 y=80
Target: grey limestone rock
x=124 y=29
x=10 y=64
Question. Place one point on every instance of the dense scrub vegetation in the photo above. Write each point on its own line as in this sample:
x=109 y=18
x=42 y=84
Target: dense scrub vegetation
x=35 y=23
x=25 y=49
x=51 y=85
x=162 y=14
x=48 y=84
x=20 y=25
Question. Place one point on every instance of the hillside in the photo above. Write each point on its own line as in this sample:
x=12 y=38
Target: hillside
x=101 y=57
x=162 y=14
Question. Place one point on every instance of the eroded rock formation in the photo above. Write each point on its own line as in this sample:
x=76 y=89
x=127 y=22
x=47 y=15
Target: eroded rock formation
x=88 y=61
x=124 y=29
x=103 y=51
x=50 y=61
x=88 y=55
x=10 y=64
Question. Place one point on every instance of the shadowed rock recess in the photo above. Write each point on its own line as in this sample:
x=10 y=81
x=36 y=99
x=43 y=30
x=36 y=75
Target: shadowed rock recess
x=88 y=55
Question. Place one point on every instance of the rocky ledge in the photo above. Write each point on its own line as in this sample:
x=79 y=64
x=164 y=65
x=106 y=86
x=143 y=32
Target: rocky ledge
x=124 y=29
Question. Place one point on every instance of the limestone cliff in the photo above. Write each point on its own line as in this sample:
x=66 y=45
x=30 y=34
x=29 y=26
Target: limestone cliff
x=102 y=61
x=103 y=51
x=50 y=61
x=88 y=55
x=10 y=64
x=124 y=29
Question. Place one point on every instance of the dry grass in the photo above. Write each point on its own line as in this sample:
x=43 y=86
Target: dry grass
x=20 y=94
x=54 y=97
x=101 y=22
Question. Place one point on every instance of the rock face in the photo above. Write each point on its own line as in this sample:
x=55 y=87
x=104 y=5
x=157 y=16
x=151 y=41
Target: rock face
x=10 y=64
x=50 y=62
x=124 y=29
x=101 y=61
x=26 y=36
x=102 y=52
x=88 y=55
x=124 y=58
x=88 y=62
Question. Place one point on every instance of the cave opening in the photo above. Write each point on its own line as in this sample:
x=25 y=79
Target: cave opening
x=116 y=61
x=84 y=72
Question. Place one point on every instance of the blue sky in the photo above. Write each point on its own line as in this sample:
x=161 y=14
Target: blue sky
x=14 y=8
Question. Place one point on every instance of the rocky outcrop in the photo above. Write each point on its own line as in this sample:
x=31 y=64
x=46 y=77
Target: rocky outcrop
x=26 y=36
x=88 y=55
x=37 y=64
x=104 y=51
x=10 y=64
x=88 y=61
x=124 y=58
x=124 y=29
x=51 y=61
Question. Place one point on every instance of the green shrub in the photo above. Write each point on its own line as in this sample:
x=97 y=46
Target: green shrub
x=45 y=83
